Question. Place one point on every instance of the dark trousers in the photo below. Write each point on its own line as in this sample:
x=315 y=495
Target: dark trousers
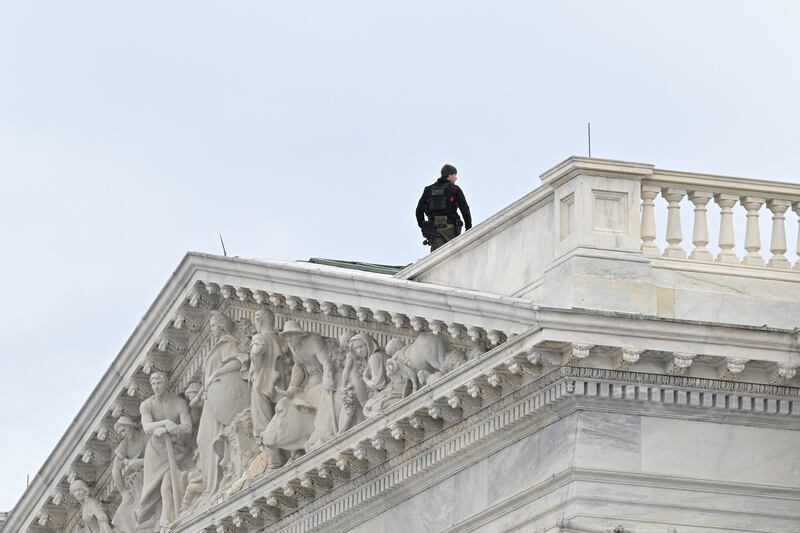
x=443 y=234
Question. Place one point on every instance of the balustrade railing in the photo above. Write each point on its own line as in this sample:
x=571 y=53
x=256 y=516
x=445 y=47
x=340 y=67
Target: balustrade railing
x=702 y=191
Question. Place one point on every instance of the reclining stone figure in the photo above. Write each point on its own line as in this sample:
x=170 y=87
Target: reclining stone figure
x=429 y=354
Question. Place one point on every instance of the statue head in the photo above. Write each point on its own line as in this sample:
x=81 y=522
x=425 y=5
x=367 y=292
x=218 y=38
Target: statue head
x=453 y=360
x=265 y=320
x=292 y=332
x=221 y=324
x=362 y=345
x=192 y=390
x=79 y=489
x=124 y=426
x=394 y=346
x=391 y=367
x=158 y=381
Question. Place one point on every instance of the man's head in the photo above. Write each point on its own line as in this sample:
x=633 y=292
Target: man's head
x=292 y=333
x=158 y=382
x=192 y=390
x=124 y=426
x=449 y=172
x=220 y=323
x=79 y=489
x=265 y=320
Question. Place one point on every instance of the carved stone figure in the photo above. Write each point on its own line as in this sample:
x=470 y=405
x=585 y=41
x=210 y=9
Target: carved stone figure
x=126 y=472
x=428 y=353
x=374 y=374
x=303 y=420
x=168 y=424
x=194 y=478
x=239 y=448
x=398 y=388
x=268 y=372
x=93 y=516
x=364 y=357
x=226 y=396
x=312 y=362
x=306 y=415
x=453 y=360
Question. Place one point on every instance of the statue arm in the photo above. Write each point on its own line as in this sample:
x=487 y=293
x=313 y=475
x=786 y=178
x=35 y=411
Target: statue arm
x=298 y=376
x=148 y=424
x=185 y=426
x=375 y=371
x=256 y=358
x=232 y=365
x=327 y=366
x=348 y=365
x=116 y=472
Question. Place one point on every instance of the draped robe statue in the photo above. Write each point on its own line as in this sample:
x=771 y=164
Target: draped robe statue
x=226 y=396
x=126 y=473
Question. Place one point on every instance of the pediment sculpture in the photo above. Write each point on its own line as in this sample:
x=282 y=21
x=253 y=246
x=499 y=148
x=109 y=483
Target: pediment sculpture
x=262 y=397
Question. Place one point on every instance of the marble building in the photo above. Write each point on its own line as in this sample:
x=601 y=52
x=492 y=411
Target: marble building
x=565 y=366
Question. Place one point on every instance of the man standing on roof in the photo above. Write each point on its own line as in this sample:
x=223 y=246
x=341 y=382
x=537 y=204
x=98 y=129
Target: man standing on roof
x=440 y=202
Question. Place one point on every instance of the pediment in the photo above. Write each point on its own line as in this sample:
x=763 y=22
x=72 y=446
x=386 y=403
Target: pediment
x=175 y=338
x=510 y=352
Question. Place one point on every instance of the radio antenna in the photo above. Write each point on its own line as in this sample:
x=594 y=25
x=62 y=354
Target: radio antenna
x=589 y=132
x=224 y=252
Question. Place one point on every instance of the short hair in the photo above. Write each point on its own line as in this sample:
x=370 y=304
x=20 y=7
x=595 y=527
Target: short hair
x=265 y=316
x=159 y=374
x=226 y=322
x=78 y=482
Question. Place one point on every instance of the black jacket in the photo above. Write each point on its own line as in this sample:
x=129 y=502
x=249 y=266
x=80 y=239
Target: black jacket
x=455 y=200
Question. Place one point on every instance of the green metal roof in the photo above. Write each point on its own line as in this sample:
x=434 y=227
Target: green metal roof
x=390 y=270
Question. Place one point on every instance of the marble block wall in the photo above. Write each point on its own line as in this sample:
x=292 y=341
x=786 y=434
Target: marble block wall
x=593 y=470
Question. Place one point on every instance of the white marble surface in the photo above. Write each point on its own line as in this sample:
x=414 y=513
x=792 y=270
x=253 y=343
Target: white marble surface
x=609 y=441
x=732 y=453
x=504 y=263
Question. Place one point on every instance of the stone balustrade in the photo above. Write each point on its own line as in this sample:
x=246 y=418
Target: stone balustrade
x=727 y=193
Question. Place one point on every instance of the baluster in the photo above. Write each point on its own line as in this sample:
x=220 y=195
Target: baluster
x=726 y=238
x=700 y=231
x=796 y=207
x=648 y=228
x=674 y=232
x=777 y=244
x=752 y=240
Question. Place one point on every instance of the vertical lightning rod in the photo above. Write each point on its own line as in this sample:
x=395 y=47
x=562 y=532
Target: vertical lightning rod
x=224 y=252
x=589 y=131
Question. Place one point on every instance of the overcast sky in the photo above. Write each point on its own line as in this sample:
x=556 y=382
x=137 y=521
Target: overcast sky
x=131 y=133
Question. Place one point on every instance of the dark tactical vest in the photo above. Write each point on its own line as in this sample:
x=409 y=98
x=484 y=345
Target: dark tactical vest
x=437 y=200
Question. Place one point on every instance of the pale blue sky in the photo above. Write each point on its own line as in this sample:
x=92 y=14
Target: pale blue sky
x=132 y=133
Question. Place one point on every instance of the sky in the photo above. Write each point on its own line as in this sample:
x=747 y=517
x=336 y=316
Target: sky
x=131 y=133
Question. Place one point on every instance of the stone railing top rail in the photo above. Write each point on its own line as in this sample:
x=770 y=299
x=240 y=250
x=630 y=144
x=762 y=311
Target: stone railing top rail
x=725 y=184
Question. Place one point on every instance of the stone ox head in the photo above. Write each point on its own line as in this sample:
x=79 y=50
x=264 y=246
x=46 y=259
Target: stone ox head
x=292 y=424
